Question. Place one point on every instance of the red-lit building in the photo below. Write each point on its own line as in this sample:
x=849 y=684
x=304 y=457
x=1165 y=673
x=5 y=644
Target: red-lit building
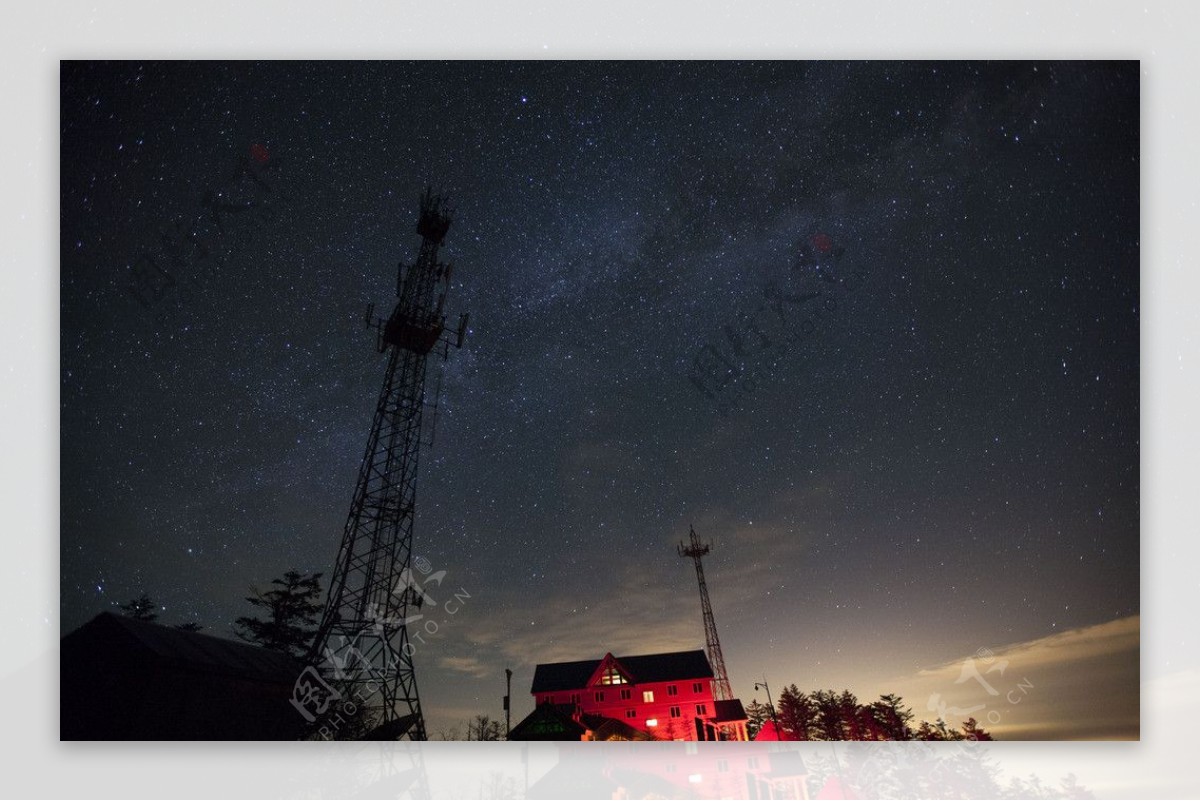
x=666 y=696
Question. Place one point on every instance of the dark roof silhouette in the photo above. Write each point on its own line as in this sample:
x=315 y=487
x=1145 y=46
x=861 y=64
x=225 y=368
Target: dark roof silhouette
x=727 y=711
x=200 y=651
x=548 y=722
x=647 y=668
x=126 y=679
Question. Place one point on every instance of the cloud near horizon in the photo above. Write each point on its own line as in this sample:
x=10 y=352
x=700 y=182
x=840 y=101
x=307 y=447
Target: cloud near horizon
x=1081 y=684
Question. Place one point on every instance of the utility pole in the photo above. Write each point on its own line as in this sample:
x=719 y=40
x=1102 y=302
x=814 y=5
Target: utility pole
x=770 y=705
x=507 y=701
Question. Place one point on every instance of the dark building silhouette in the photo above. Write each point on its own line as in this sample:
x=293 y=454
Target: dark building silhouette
x=126 y=679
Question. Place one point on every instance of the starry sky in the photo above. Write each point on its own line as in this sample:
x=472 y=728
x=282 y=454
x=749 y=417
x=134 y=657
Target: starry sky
x=871 y=327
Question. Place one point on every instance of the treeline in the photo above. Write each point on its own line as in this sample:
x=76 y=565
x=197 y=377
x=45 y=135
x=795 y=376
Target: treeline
x=829 y=715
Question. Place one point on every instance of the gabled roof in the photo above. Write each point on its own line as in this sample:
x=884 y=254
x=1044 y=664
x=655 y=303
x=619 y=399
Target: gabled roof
x=189 y=649
x=609 y=662
x=644 y=669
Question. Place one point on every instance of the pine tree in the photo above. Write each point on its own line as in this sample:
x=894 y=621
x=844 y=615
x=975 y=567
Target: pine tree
x=291 y=614
x=756 y=715
x=848 y=711
x=829 y=715
x=893 y=717
x=141 y=608
x=797 y=714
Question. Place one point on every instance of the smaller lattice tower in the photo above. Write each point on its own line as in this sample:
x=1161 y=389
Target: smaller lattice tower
x=698 y=550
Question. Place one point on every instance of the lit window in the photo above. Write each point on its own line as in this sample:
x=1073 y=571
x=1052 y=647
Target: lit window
x=612 y=676
x=652 y=721
x=648 y=697
x=701 y=709
x=695 y=778
x=599 y=696
x=674 y=711
x=631 y=713
x=672 y=689
x=626 y=695
x=698 y=687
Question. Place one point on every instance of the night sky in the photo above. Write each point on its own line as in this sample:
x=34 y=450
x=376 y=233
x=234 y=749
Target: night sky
x=936 y=454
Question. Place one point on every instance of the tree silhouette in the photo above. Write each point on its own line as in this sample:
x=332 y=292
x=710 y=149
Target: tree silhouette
x=484 y=728
x=141 y=608
x=829 y=715
x=189 y=626
x=848 y=711
x=291 y=614
x=797 y=714
x=756 y=715
x=892 y=717
x=973 y=731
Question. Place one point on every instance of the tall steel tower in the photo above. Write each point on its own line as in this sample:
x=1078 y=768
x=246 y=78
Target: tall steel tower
x=697 y=551
x=362 y=644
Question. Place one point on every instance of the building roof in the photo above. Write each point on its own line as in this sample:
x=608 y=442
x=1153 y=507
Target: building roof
x=548 y=722
x=192 y=650
x=644 y=669
x=125 y=679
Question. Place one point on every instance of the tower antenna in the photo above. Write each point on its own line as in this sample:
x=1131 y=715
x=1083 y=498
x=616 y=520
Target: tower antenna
x=697 y=551
x=362 y=643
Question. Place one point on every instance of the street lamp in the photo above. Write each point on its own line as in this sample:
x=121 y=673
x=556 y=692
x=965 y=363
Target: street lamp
x=770 y=705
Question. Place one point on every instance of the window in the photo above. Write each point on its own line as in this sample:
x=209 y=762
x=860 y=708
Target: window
x=674 y=711
x=599 y=696
x=752 y=763
x=698 y=687
x=574 y=698
x=671 y=768
x=651 y=722
x=648 y=697
x=723 y=765
x=612 y=676
x=701 y=709
x=672 y=689
x=626 y=695
x=631 y=713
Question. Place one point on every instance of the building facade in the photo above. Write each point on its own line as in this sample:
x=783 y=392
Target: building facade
x=666 y=696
